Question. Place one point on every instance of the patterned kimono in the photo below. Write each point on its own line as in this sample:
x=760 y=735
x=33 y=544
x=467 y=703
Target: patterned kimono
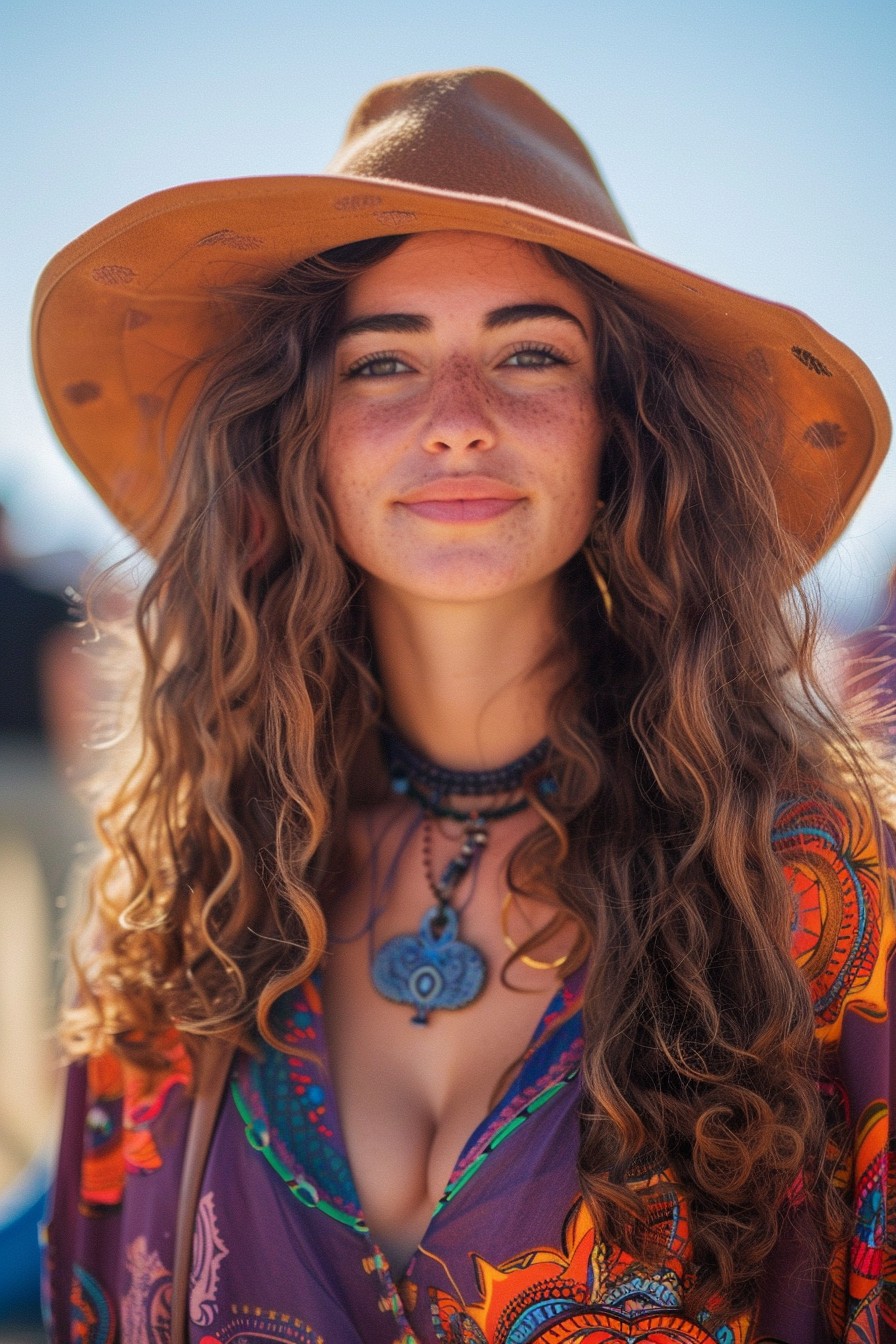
x=281 y=1250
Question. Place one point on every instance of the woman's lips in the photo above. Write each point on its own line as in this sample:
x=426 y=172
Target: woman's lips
x=461 y=510
x=461 y=499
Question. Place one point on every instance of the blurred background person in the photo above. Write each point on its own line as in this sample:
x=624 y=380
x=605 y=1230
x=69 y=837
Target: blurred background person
x=42 y=711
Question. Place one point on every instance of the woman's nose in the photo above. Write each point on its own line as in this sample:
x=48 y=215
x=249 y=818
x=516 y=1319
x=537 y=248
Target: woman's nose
x=459 y=418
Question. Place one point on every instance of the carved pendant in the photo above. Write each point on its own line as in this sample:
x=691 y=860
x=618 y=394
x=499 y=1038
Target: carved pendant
x=431 y=969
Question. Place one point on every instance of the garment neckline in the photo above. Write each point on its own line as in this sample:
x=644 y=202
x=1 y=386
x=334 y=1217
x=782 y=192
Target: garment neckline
x=288 y=1104
x=563 y=1007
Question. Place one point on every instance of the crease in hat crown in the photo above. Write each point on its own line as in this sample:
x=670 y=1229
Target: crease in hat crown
x=126 y=315
x=481 y=132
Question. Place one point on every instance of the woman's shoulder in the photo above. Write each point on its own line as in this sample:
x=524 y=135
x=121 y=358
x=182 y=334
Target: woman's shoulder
x=837 y=857
x=835 y=833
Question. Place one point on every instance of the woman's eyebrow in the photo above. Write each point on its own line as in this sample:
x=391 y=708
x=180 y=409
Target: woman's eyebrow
x=404 y=322
x=524 y=312
x=414 y=323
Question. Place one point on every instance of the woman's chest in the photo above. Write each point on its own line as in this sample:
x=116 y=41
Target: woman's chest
x=283 y=1231
x=417 y=1057
x=510 y=1255
x=409 y=1096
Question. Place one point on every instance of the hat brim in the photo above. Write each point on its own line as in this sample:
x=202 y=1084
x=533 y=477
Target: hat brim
x=124 y=315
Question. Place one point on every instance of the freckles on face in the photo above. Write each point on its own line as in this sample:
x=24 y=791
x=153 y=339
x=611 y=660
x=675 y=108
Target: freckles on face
x=465 y=370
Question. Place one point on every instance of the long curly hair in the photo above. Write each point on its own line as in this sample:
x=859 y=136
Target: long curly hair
x=688 y=718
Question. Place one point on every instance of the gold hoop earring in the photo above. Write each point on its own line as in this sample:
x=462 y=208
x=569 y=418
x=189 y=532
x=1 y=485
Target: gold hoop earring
x=532 y=962
x=600 y=581
x=590 y=552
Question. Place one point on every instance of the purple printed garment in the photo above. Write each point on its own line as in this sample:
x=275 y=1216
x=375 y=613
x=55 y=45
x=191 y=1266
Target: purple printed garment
x=281 y=1251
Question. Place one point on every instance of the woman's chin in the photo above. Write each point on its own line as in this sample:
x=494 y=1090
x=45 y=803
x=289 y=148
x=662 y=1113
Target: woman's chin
x=453 y=581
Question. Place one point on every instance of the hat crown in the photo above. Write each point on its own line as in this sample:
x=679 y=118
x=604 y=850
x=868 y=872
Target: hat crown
x=481 y=132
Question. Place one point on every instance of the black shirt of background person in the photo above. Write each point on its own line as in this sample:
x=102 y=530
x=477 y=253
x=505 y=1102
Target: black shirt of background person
x=27 y=616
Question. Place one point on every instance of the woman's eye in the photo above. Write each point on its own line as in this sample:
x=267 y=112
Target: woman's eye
x=377 y=366
x=535 y=357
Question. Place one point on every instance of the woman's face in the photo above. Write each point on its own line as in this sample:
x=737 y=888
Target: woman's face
x=461 y=456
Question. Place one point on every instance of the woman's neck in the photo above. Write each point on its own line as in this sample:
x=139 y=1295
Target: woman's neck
x=469 y=684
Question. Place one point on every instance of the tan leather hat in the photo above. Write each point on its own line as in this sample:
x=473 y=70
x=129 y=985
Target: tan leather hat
x=124 y=312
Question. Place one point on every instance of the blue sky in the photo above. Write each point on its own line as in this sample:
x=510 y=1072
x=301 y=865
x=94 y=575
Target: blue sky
x=750 y=141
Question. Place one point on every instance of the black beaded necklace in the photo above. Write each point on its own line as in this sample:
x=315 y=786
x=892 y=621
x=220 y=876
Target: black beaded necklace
x=438 y=781
x=435 y=968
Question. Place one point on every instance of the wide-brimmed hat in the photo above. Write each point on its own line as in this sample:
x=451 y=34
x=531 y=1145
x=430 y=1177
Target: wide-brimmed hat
x=126 y=311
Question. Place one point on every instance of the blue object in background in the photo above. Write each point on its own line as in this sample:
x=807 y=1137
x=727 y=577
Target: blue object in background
x=21 y=1209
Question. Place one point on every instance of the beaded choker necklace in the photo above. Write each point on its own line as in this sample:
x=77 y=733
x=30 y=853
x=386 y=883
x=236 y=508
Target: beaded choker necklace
x=429 y=783
x=435 y=968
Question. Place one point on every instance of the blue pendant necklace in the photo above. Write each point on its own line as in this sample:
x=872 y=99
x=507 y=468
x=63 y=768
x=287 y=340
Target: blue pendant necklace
x=435 y=968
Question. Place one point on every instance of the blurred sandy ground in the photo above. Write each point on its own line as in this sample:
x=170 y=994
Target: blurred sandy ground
x=26 y=1086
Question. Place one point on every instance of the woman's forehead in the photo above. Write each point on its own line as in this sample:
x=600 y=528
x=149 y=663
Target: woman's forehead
x=430 y=270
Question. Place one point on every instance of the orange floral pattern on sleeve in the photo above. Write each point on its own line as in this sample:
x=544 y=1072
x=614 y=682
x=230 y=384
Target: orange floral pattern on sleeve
x=123 y=1103
x=843 y=930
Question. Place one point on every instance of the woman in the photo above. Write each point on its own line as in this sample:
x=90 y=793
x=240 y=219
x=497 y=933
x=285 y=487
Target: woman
x=484 y=796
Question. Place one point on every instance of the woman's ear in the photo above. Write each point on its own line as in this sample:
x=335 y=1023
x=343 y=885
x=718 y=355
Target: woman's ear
x=264 y=534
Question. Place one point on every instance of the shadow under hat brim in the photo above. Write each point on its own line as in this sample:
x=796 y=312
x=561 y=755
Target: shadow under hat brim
x=124 y=316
